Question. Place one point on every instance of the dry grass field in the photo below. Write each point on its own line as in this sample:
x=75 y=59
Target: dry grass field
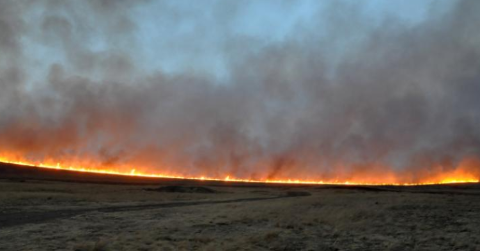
x=52 y=215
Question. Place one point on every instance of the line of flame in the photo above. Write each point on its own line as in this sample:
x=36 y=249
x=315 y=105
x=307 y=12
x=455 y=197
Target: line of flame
x=135 y=173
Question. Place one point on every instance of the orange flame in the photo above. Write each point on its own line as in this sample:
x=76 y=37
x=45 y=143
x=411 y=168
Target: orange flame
x=459 y=175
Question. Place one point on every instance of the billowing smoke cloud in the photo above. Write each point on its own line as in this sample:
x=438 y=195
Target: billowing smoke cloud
x=389 y=102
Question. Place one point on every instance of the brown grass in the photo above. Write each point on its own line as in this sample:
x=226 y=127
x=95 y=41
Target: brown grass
x=329 y=219
x=99 y=245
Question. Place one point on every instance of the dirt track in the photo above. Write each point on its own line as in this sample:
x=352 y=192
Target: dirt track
x=15 y=219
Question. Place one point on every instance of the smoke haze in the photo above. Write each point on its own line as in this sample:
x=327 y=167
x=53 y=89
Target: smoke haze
x=338 y=95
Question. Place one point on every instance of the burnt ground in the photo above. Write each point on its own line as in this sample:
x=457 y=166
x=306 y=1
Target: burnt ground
x=57 y=210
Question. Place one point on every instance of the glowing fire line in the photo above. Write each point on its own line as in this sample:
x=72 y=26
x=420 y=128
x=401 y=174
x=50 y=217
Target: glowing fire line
x=135 y=173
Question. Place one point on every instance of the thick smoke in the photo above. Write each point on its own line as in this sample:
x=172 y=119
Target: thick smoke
x=390 y=101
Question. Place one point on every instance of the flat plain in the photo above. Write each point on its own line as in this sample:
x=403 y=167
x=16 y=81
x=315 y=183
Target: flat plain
x=41 y=211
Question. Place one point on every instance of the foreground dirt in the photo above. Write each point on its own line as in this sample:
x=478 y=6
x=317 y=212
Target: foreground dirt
x=43 y=215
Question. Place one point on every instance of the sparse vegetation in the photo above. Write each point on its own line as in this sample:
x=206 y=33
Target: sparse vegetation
x=99 y=245
x=429 y=218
